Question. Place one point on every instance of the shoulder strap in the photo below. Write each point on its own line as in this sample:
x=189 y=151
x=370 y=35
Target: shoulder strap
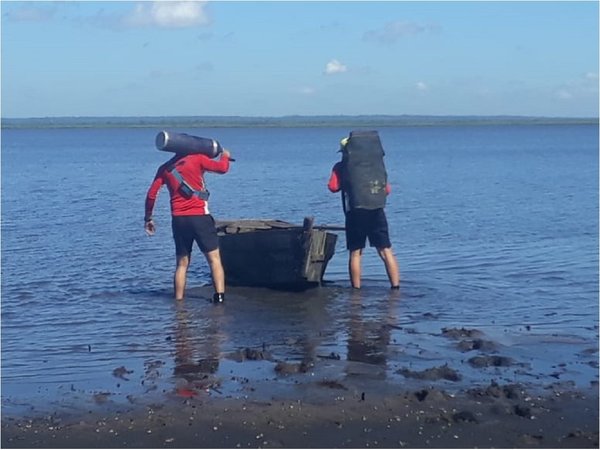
x=185 y=187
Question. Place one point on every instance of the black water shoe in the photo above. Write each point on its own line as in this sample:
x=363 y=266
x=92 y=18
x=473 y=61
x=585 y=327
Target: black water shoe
x=218 y=298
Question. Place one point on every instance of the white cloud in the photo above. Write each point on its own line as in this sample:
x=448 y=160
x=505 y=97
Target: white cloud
x=392 y=31
x=32 y=13
x=564 y=94
x=334 y=66
x=421 y=86
x=169 y=14
x=586 y=85
x=307 y=90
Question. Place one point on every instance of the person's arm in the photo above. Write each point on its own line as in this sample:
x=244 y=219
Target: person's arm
x=334 y=183
x=220 y=165
x=388 y=188
x=150 y=201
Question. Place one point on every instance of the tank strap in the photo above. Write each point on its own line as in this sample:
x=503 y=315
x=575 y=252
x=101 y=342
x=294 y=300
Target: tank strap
x=186 y=189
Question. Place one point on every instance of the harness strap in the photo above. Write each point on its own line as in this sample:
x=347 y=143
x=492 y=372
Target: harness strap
x=187 y=189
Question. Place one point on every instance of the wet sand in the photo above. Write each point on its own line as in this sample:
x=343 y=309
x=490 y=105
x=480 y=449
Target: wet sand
x=328 y=415
x=392 y=386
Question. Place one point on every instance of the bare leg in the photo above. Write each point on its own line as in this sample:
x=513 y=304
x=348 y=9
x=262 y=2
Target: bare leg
x=354 y=268
x=183 y=262
x=216 y=269
x=391 y=265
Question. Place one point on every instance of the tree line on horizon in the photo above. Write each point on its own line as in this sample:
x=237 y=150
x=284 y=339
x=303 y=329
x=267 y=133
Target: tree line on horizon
x=286 y=121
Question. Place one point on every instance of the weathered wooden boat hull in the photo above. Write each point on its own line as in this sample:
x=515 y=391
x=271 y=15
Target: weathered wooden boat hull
x=283 y=256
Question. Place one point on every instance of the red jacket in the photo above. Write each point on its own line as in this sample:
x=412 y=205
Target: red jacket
x=192 y=169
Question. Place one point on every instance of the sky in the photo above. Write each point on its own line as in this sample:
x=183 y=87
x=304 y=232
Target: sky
x=279 y=58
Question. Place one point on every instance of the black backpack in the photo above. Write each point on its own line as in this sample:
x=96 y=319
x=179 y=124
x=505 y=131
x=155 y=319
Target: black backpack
x=364 y=177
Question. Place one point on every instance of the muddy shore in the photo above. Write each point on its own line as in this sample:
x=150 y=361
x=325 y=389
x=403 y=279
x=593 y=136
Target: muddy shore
x=327 y=414
x=370 y=371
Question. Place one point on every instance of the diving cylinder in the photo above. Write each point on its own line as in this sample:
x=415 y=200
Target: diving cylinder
x=186 y=144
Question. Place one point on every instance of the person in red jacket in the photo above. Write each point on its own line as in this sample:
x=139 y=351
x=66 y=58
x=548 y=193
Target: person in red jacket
x=361 y=224
x=190 y=218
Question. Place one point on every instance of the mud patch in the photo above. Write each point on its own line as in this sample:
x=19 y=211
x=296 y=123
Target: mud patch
x=494 y=390
x=464 y=416
x=332 y=355
x=477 y=344
x=435 y=373
x=332 y=384
x=522 y=411
x=458 y=333
x=286 y=368
x=491 y=361
x=121 y=372
x=250 y=354
x=530 y=440
x=210 y=365
x=431 y=395
x=101 y=397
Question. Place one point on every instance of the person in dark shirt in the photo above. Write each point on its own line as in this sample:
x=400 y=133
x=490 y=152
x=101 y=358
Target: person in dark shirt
x=362 y=224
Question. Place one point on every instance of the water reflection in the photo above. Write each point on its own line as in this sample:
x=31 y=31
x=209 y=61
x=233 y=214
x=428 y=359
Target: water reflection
x=197 y=346
x=369 y=324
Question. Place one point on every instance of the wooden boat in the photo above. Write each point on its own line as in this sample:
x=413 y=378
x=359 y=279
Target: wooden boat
x=275 y=254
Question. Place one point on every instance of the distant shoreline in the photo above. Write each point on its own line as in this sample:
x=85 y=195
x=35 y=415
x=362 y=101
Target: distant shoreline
x=375 y=121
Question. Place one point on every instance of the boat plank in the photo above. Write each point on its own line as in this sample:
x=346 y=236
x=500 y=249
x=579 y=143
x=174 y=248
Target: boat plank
x=245 y=225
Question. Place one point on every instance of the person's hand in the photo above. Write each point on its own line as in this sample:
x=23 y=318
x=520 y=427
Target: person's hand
x=226 y=153
x=149 y=227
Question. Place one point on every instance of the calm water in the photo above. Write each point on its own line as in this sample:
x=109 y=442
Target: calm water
x=495 y=228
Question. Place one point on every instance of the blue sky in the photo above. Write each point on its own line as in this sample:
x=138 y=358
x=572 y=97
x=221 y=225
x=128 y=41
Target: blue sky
x=247 y=58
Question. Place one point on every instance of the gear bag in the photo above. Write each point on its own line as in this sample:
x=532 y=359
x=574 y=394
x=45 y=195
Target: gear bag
x=364 y=177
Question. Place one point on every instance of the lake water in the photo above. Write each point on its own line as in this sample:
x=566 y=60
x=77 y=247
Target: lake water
x=494 y=227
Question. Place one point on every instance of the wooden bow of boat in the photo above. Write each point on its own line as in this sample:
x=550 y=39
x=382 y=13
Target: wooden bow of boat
x=274 y=253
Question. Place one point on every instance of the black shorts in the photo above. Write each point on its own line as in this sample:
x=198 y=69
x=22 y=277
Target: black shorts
x=367 y=223
x=187 y=229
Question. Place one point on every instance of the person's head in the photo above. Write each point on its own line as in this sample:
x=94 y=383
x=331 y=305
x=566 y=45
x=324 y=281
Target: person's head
x=343 y=143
